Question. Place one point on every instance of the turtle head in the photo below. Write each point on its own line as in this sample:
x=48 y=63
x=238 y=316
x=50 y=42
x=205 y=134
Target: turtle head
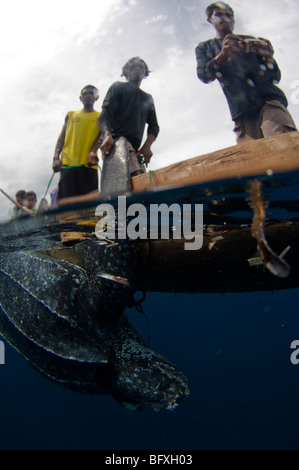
x=149 y=378
x=166 y=387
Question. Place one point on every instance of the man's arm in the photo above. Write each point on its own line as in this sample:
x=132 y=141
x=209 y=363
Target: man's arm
x=109 y=108
x=107 y=143
x=264 y=52
x=230 y=45
x=206 y=64
x=57 y=163
x=92 y=156
x=152 y=133
x=145 y=150
x=209 y=63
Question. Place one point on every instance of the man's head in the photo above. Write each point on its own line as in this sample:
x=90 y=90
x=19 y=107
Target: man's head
x=135 y=70
x=20 y=195
x=88 y=96
x=30 y=199
x=221 y=16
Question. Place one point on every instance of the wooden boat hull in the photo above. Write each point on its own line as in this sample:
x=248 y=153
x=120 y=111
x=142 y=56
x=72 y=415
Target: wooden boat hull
x=229 y=264
x=221 y=266
x=277 y=154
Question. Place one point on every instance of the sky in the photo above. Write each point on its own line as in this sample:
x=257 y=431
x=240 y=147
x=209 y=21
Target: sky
x=50 y=50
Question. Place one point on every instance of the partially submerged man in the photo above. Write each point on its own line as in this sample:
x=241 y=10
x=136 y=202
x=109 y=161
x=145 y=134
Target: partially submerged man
x=30 y=201
x=248 y=74
x=125 y=112
x=20 y=199
x=73 y=154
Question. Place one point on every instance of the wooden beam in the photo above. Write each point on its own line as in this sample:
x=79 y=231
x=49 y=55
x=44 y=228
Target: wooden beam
x=277 y=154
x=225 y=266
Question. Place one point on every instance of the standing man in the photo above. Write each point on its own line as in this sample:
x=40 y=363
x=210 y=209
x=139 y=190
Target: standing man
x=79 y=133
x=125 y=112
x=248 y=74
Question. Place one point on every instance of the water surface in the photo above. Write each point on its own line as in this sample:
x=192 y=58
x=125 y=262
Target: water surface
x=233 y=347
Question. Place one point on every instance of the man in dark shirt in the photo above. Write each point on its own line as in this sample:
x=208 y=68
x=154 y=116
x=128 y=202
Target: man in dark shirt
x=125 y=112
x=248 y=74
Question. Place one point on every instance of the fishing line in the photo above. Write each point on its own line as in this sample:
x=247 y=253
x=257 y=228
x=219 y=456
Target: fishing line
x=138 y=306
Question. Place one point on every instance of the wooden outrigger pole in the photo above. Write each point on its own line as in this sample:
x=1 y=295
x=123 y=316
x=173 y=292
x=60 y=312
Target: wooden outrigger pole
x=16 y=203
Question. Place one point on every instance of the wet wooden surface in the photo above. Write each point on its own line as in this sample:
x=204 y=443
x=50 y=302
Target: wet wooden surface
x=278 y=154
x=225 y=263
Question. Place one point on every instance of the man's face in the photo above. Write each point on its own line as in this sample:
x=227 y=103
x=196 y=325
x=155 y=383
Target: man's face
x=88 y=97
x=222 y=20
x=136 y=72
x=30 y=202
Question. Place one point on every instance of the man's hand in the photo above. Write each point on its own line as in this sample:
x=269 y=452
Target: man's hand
x=57 y=165
x=230 y=45
x=107 y=144
x=146 y=152
x=265 y=49
x=92 y=159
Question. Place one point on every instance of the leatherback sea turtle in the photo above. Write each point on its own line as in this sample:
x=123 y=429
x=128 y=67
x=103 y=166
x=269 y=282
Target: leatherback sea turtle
x=65 y=312
x=63 y=309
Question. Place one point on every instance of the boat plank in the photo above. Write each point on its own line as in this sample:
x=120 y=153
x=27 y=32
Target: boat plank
x=278 y=154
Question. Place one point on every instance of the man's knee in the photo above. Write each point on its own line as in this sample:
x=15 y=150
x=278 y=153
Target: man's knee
x=247 y=129
x=276 y=119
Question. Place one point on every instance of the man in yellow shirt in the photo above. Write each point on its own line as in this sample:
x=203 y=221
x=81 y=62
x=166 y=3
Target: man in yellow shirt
x=73 y=148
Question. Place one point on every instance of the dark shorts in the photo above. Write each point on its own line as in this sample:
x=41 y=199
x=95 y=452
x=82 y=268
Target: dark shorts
x=77 y=181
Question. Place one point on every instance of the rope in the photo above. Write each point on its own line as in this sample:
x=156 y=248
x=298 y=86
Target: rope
x=49 y=184
x=138 y=306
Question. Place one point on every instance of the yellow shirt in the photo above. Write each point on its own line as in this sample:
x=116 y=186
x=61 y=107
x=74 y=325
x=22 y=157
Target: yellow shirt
x=81 y=132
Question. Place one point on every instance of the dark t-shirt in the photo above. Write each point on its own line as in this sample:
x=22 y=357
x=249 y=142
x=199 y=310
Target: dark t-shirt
x=247 y=81
x=125 y=112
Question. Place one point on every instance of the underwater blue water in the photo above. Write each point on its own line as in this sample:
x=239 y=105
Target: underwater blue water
x=235 y=350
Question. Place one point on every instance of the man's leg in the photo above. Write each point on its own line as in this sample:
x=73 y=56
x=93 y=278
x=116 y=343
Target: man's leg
x=77 y=181
x=87 y=180
x=67 y=183
x=248 y=128
x=276 y=119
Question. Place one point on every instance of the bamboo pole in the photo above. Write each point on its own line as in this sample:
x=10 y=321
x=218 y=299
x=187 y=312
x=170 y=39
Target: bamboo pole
x=16 y=203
